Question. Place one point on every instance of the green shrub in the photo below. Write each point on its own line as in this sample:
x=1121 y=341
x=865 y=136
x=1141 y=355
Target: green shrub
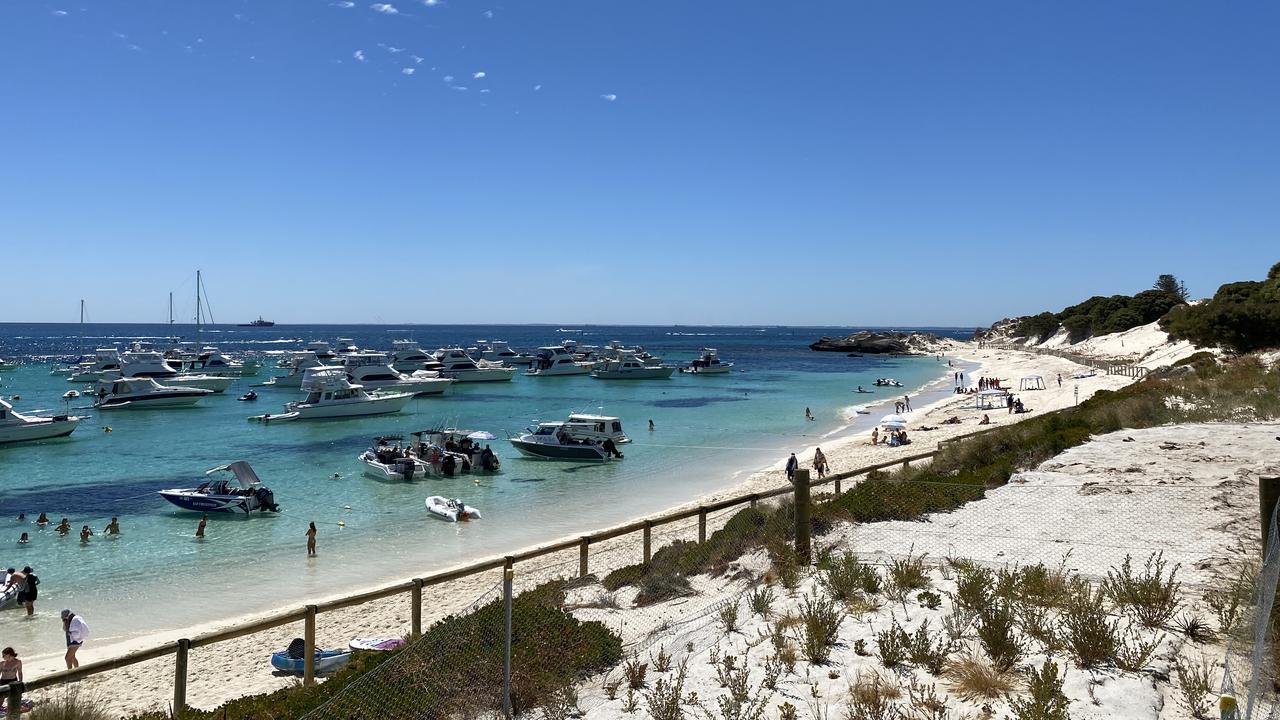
x=658 y=587
x=894 y=645
x=929 y=651
x=997 y=631
x=69 y=702
x=1088 y=632
x=1241 y=316
x=1151 y=595
x=846 y=579
x=1046 y=700
x=820 y=620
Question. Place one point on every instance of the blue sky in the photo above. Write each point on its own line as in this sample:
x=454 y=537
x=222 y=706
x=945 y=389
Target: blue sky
x=852 y=163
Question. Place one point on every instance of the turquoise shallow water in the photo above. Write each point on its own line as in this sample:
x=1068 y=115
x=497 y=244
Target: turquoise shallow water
x=158 y=576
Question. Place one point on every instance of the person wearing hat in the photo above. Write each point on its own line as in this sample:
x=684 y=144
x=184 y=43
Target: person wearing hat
x=77 y=632
x=27 y=591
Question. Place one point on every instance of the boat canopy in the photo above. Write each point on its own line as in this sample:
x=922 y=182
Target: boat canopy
x=576 y=417
x=241 y=470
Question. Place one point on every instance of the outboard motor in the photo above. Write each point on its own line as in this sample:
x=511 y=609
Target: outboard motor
x=406 y=468
x=448 y=465
x=267 y=500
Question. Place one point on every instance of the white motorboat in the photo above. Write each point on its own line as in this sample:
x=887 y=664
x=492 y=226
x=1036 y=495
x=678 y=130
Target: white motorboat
x=391 y=462
x=553 y=361
x=458 y=365
x=209 y=360
x=450 y=510
x=628 y=367
x=886 y=382
x=331 y=395
x=595 y=428
x=17 y=427
x=497 y=351
x=550 y=441
x=298 y=364
x=449 y=451
x=407 y=356
x=373 y=370
x=142 y=393
x=139 y=362
x=104 y=360
x=6 y=365
x=242 y=493
x=321 y=350
x=345 y=346
x=709 y=363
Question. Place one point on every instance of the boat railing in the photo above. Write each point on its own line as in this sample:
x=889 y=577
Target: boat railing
x=308 y=614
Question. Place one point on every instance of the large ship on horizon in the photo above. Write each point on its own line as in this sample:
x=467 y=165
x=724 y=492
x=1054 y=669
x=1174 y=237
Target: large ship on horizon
x=258 y=323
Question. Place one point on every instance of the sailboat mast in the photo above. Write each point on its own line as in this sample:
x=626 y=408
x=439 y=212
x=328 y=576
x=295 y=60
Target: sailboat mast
x=199 y=319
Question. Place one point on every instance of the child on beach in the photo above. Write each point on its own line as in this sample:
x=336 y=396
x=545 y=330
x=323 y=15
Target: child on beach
x=311 y=539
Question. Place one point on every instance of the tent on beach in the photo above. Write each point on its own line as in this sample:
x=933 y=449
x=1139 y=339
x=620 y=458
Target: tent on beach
x=1031 y=382
x=990 y=399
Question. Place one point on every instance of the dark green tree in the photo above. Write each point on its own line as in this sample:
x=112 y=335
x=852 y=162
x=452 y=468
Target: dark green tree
x=1173 y=286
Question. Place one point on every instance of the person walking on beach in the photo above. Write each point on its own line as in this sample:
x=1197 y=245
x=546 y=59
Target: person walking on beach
x=311 y=539
x=77 y=632
x=113 y=527
x=1059 y=379
x=819 y=463
x=792 y=464
x=1008 y=401
x=906 y=402
x=204 y=520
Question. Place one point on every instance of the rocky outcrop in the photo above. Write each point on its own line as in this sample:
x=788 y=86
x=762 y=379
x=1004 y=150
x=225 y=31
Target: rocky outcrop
x=880 y=343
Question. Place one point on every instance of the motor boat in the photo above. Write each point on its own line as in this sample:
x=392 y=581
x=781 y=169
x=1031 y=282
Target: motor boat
x=458 y=365
x=595 y=428
x=437 y=446
x=553 y=361
x=104 y=360
x=322 y=350
x=708 y=364
x=346 y=346
x=249 y=396
x=234 y=488
x=331 y=395
x=7 y=365
x=374 y=371
x=548 y=441
x=293 y=660
x=17 y=427
x=390 y=461
x=886 y=382
x=450 y=510
x=140 y=362
x=67 y=369
x=407 y=356
x=210 y=361
x=143 y=393
x=497 y=351
x=628 y=367
x=297 y=365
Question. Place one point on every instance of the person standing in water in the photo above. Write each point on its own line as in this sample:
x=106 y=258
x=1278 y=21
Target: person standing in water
x=311 y=539
x=113 y=527
x=204 y=520
x=64 y=527
x=30 y=590
x=77 y=633
x=651 y=424
x=85 y=534
x=808 y=415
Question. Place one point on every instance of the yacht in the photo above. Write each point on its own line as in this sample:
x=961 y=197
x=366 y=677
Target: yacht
x=297 y=365
x=551 y=360
x=549 y=441
x=497 y=351
x=210 y=361
x=331 y=395
x=373 y=370
x=321 y=350
x=458 y=365
x=242 y=493
x=142 y=363
x=709 y=363
x=16 y=427
x=407 y=356
x=104 y=360
x=595 y=428
x=346 y=346
x=143 y=392
x=627 y=366
x=67 y=369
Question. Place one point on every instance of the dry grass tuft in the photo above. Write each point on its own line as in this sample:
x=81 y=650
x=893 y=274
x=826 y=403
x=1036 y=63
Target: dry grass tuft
x=974 y=678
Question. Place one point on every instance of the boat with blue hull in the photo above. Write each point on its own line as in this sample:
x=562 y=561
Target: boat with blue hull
x=234 y=488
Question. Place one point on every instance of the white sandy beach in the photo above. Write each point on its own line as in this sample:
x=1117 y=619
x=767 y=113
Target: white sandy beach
x=239 y=667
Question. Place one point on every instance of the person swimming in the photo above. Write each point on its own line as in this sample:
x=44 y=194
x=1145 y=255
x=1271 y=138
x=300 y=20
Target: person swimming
x=64 y=527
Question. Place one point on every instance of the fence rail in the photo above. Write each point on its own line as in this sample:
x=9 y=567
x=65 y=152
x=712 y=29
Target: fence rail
x=308 y=614
x=1110 y=368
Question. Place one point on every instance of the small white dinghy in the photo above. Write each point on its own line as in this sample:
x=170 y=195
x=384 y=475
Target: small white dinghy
x=450 y=510
x=860 y=410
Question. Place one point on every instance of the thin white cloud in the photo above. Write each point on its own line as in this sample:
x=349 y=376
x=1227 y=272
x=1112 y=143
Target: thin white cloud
x=391 y=48
x=463 y=88
x=431 y=3
x=478 y=75
x=609 y=96
x=416 y=59
x=344 y=4
x=488 y=14
x=485 y=91
x=536 y=88
x=358 y=55
x=406 y=71
x=448 y=78
x=384 y=8
x=59 y=13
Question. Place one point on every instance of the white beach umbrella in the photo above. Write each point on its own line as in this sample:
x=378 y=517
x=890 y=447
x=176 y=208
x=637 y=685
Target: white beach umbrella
x=482 y=435
x=893 y=420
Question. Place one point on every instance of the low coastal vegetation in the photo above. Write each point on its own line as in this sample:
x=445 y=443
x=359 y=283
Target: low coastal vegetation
x=1100 y=315
x=1241 y=316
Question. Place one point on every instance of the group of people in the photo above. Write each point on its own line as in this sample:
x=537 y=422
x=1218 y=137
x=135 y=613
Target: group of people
x=903 y=405
x=64 y=528
x=24 y=584
x=893 y=437
x=820 y=466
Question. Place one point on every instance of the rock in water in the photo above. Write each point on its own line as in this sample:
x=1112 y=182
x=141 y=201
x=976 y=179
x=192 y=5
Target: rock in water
x=879 y=343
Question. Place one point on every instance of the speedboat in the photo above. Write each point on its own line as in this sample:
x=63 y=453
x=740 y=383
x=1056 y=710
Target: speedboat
x=391 y=462
x=104 y=360
x=551 y=361
x=67 y=369
x=407 y=356
x=143 y=363
x=6 y=365
x=497 y=351
x=242 y=492
x=297 y=365
x=373 y=370
x=595 y=428
x=628 y=367
x=142 y=393
x=548 y=441
x=249 y=396
x=16 y=427
x=293 y=660
x=437 y=446
x=708 y=364
x=886 y=382
x=331 y=395
x=458 y=365
x=450 y=510
x=210 y=361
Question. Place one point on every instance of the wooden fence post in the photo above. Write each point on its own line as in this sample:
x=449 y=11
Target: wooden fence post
x=180 y=678
x=582 y=555
x=415 y=608
x=802 y=516
x=837 y=485
x=309 y=652
x=702 y=524
x=648 y=540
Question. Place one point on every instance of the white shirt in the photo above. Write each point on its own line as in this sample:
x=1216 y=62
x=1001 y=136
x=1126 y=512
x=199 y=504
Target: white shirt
x=77 y=630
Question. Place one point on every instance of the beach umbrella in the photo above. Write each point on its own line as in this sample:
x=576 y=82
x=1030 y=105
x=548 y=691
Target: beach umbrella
x=893 y=420
x=894 y=425
x=482 y=435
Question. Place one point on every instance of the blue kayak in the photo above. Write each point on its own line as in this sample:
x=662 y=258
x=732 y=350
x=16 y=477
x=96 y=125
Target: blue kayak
x=326 y=661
